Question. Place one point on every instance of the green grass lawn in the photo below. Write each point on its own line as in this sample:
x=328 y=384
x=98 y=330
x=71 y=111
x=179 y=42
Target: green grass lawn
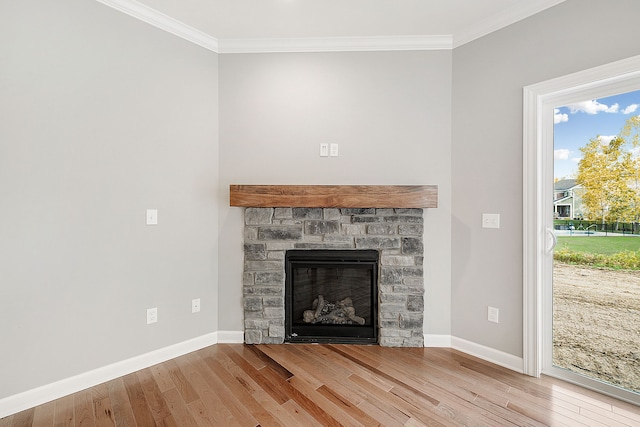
x=599 y=245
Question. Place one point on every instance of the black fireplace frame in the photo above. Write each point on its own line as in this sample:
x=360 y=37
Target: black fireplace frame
x=331 y=258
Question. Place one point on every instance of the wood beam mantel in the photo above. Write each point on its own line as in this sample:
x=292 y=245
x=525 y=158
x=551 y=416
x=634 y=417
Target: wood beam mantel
x=334 y=196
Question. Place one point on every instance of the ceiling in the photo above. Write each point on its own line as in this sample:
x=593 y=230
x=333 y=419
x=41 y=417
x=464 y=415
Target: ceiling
x=225 y=25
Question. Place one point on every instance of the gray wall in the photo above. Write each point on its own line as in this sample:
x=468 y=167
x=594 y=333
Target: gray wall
x=101 y=116
x=488 y=77
x=388 y=111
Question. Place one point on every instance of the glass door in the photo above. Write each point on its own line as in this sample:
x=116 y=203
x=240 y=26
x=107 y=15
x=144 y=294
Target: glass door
x=592 y=320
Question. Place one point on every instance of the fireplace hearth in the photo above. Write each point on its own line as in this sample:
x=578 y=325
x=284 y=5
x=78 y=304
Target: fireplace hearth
x=331 y=296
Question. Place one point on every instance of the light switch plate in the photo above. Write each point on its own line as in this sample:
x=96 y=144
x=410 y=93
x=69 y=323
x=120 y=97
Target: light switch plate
x=490 y=220
x=152 y=216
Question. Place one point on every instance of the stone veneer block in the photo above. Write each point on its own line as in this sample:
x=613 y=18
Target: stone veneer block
x=280 y=213
x=412 y=246
x=395 y=233
x=307 y=213
x=270 y=278
x=373 y=242
x=255 y=252
x=321 y=227
x=331 y=214
x=280 y=233
x=256 y=216
x=383 y=228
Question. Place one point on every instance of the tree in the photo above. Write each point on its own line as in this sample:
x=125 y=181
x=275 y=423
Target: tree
x=630 y=134
x=610 y=175
x=596 y=174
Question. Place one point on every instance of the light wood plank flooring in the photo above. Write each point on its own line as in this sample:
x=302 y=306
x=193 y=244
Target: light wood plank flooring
x=328 y=385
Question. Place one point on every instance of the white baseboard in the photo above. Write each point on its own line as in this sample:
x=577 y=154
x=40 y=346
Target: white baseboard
x=433 y=340
x=230 y=337
x=37 y=396
x=489 y=354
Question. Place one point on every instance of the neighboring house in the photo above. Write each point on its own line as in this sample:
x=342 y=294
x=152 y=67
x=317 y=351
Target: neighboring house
x=567 y=199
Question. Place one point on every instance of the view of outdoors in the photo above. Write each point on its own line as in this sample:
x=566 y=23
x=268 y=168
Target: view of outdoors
x=596 y=207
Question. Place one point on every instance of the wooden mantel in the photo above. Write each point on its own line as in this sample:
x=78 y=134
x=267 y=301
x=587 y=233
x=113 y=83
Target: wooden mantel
x=334 y=196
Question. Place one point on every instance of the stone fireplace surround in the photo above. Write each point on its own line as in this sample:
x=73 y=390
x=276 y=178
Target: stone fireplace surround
x=395 y=232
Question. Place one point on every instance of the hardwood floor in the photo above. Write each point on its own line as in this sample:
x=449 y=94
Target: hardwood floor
x=328 y=385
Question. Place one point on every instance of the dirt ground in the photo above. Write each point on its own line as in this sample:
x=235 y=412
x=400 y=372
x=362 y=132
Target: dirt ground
x=597 y=323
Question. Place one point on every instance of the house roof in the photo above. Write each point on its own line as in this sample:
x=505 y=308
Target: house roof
x=563 y=200
x=565 y=184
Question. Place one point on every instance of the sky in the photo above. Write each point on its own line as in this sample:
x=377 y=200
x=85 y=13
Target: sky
x=576 y=124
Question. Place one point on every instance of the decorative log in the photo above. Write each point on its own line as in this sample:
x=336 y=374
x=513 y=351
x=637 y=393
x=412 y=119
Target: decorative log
x=308 y=316
x=351 y=314
x=339 y=313
x=334 y=317
x=319 y=305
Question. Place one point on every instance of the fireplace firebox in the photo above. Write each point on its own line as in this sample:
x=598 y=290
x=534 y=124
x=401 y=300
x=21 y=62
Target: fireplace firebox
x=331 y=296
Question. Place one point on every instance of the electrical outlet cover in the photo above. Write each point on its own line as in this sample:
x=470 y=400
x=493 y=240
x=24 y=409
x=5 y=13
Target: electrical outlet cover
x=152 y=315
x=490 y=220
x=492 y=314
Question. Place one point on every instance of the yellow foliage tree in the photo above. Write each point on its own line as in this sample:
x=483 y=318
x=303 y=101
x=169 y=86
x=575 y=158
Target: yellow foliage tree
x=631 y=134
x=610 y=175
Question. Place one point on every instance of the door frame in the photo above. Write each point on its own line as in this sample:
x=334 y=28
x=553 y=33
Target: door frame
x=538 y=103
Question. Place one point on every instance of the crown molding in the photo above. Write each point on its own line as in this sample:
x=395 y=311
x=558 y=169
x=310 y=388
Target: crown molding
x=507 y=17
x=164 y=22
x=335 y=44
x=325 y=44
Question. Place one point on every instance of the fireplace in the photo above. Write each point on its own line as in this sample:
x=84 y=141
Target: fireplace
x=331 y=296
x=394 y=234
x=283 y=221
